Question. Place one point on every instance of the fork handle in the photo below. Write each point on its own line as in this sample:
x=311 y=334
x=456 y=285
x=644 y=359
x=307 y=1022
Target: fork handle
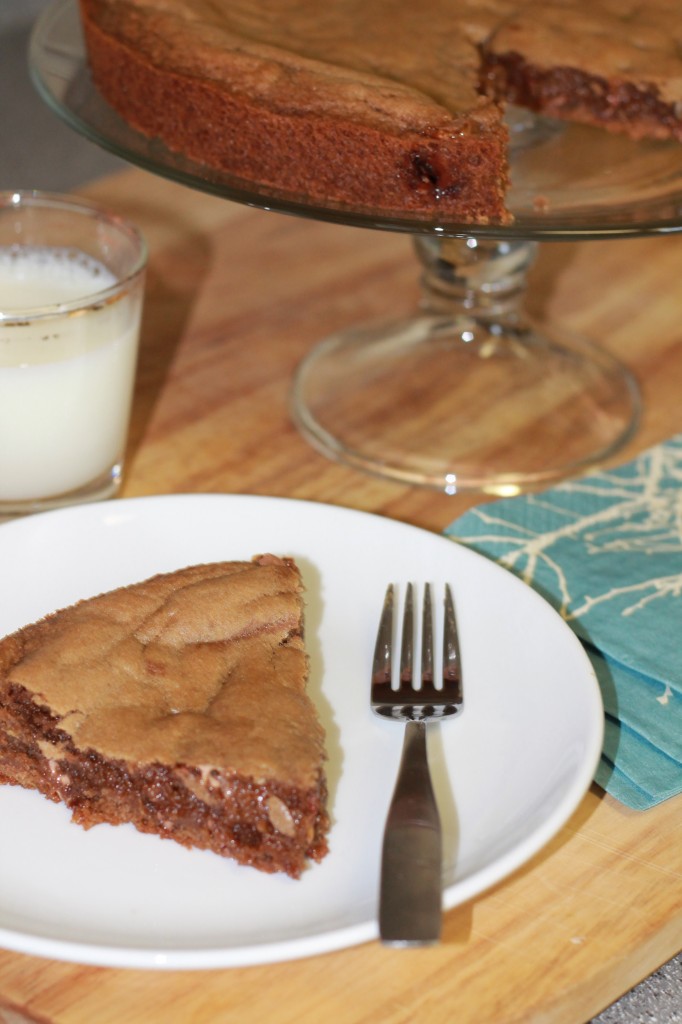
x=410 y=910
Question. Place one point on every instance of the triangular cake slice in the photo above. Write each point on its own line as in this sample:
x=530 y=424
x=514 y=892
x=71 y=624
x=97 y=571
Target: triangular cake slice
x=179 y=705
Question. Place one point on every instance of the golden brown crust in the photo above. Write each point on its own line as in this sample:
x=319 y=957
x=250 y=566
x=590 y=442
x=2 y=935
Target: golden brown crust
x=203 y=667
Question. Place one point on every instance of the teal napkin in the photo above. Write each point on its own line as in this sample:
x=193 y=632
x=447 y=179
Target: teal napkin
x=606 y=551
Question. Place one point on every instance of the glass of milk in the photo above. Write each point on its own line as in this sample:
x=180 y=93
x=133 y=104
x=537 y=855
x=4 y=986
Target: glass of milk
x=71 y=289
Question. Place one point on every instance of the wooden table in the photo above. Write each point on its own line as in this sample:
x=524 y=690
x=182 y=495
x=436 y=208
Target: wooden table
x=235 y=298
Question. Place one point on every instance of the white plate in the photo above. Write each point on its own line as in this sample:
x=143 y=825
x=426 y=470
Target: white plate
x=509 y=771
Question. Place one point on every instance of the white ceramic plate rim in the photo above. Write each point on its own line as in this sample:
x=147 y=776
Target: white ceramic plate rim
x=50 y=560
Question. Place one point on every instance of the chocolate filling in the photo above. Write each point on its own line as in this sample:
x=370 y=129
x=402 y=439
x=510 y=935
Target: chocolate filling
x=569 y=93
x=264 y=824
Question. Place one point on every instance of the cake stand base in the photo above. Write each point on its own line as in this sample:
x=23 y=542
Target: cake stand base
x=464 y=395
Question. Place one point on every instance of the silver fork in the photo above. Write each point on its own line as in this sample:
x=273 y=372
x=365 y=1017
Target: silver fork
x=410 y=898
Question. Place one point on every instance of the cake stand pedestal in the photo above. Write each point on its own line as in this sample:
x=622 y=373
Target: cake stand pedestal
x=456 y=396
x=464 y=394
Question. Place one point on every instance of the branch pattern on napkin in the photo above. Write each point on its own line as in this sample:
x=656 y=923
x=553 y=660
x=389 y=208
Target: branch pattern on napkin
x=606 y=552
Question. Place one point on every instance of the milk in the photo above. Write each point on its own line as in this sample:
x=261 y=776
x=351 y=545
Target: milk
x=65 y=377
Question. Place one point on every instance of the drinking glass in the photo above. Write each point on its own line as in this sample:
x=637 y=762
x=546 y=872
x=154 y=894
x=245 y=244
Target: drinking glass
x=71 y=292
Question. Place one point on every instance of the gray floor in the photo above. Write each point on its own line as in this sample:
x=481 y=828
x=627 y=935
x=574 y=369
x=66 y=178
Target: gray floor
x=40 y=152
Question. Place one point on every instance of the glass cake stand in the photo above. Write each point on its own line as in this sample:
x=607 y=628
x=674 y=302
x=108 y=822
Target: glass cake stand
x=458 y=395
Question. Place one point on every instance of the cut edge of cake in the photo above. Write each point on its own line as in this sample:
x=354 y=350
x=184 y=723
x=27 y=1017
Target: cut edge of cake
x=614 y=104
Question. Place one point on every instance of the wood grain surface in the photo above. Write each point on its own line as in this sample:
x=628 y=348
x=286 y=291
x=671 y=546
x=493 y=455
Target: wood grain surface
x=235 y=298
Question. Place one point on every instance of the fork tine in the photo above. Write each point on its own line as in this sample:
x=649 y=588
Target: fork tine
x=452 y=667
x=427 y=638
x=382 y=663
x=407 y=643
x=407 y=697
